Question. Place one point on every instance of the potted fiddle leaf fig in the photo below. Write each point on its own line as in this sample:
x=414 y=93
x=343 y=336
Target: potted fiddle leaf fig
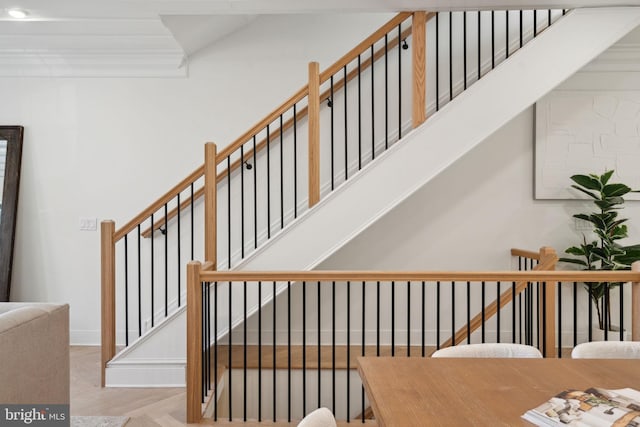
x=605 y=252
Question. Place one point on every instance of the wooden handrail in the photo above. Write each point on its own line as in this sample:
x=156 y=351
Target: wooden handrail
x=505 y=298
x=525 y=254
x=275 y=134
x=166 y=198
x=363 y=46
x=635 y=305
x=474 y=276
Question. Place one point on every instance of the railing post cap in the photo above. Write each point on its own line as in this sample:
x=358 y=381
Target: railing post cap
x=635 y=266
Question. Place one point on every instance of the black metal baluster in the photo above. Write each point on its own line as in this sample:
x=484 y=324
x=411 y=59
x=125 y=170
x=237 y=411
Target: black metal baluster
x=437 y=61
x=400 y=81
x=386 y=92
x=259 y=351
x=139 y=288
x=493 y=40
x=468 y=312
x=575 y=313
x=152 y=271
x=208 y=337
x=521 y=28
x=178 y=249
x=359 y=115
x=483 y=289
x=393 y=318
x=268 y=183
x=422 y=323
x=126 y=291
x=506 y=34
x=304 y=349
x=605 y=312
x=464 y=47
x=559 y=319
x=362 y=350
x=319 y=346
x=373 y=109
x=295 y=163
x=513 y=312
x=244 y=351
x=229 y=213
x=348 y=351
x=621 y=309
x=255 y=196
x=192 y=214
x=450 y=56
x=289 y=351
x=281 y=178
x=479 y=45
x=230 y=346
x=498 y=312
x=346 y=145
x=203 y=349
x=166 y=262
x=590 y=311
x=535 y=23
x=408 y=319
x=274 y=339
x=453 y=313
x=544 y=320
x=437 y=314
x=215 y=348
x=378 y=319
x=331 y=134
x=242 y=201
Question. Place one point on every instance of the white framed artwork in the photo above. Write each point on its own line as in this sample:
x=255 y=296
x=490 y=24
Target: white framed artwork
x=582 y=132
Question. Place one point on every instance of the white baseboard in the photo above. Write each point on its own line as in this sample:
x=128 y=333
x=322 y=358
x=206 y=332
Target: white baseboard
x=146 y=373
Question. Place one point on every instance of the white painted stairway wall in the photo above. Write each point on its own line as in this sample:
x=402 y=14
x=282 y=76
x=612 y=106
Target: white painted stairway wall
x=158 y=358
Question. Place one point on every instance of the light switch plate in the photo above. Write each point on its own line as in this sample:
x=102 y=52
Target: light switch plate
x=88 y=224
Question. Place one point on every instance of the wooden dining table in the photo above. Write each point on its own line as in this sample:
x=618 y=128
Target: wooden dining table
x=479 y=392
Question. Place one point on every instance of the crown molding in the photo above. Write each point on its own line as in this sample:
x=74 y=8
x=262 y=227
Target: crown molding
x=92 y=63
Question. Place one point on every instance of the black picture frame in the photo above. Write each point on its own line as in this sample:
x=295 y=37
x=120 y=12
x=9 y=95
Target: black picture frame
x=14 y=136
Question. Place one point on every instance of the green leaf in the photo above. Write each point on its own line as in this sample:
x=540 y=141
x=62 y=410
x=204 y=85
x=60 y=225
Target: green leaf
x=614 y=190
x=590 y=194
x=604 y=178
x=575 y=251
x=583 y=216
x=588 y=182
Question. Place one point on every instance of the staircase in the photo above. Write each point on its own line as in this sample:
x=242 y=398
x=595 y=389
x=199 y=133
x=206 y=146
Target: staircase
x=354 y=191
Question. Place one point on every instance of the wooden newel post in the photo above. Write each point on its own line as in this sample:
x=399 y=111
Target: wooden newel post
x=107 y=293
x=548 y=258
x=194 y=343
x=635 y=304
x=314 y=133
x=210 y=203
x=419 y=36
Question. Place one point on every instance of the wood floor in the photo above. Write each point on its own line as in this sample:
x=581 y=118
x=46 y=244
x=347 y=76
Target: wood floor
x=146 y=407
x=165 y=407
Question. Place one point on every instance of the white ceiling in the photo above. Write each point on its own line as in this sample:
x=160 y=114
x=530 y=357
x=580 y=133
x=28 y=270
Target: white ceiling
x=153 y=37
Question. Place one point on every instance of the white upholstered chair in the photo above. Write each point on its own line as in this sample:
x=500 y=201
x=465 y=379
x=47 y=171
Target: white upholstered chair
x=321 y=417
x=607 y=350
x=490 y=350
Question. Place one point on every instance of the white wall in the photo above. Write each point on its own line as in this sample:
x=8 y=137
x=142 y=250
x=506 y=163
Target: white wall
x=470 y=216
x=106 y=147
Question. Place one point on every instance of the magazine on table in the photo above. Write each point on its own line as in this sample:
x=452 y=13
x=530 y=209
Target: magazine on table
x=594 y=407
